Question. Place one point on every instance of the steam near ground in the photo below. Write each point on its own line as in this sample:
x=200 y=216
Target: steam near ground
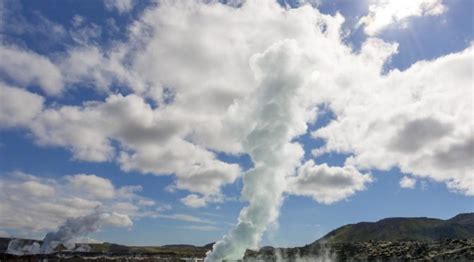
x=67 y=234
x=280 y=255
x=19 y=248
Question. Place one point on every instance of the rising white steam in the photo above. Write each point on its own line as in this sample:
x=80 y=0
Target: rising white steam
x=284 y=255
x=19 y=247
x=69 y=232
x=76 y=227
x=269 y=144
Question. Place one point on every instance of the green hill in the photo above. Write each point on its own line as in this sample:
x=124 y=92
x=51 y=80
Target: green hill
x=398 y=229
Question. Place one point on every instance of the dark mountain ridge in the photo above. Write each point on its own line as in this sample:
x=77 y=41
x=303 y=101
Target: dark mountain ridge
x=404 y=229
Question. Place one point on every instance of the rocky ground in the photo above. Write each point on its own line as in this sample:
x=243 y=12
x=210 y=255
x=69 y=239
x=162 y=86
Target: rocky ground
x=446 y=250
x=99 y=257
x=443 y=250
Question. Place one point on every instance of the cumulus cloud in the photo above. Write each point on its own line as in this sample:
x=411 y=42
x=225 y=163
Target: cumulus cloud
x=97 y=186
x=327 y=184
x=33 y=204
x=421 y=130
x=85 y=64
x=383 y=13
x=153 y=141
x=407 y=182
x=35 y=188
x=18 y=107
x=193 y=200
x=25 y=68
x=97 y=68
x=418 y=133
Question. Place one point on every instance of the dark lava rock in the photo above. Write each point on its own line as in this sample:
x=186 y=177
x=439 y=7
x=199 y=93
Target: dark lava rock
x=442 y=250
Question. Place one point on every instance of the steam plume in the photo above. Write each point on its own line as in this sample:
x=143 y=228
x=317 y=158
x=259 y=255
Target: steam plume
x=75 y=227
x=269 y=145
x=20 y=247
x=69 y=232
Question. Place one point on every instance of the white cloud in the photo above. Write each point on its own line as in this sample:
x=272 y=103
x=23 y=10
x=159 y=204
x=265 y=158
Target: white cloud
x=121 y=6
x=117 y=219
x=193 y=200
x=327 y=184
x=408 y=120
x=37 y=189
x=98 y=68
x=153 y=141
x=197 y=170
x=407 y=182
x=86 y=65
x=18 y=107
x=33 y=204
x=383 y=13
x=25 y=68
x=96 y=186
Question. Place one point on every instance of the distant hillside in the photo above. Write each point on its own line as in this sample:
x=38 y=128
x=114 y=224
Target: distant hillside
x=397 y=229
x=111 y=248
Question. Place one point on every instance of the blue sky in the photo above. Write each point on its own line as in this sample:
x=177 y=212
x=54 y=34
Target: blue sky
x=27 y=25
